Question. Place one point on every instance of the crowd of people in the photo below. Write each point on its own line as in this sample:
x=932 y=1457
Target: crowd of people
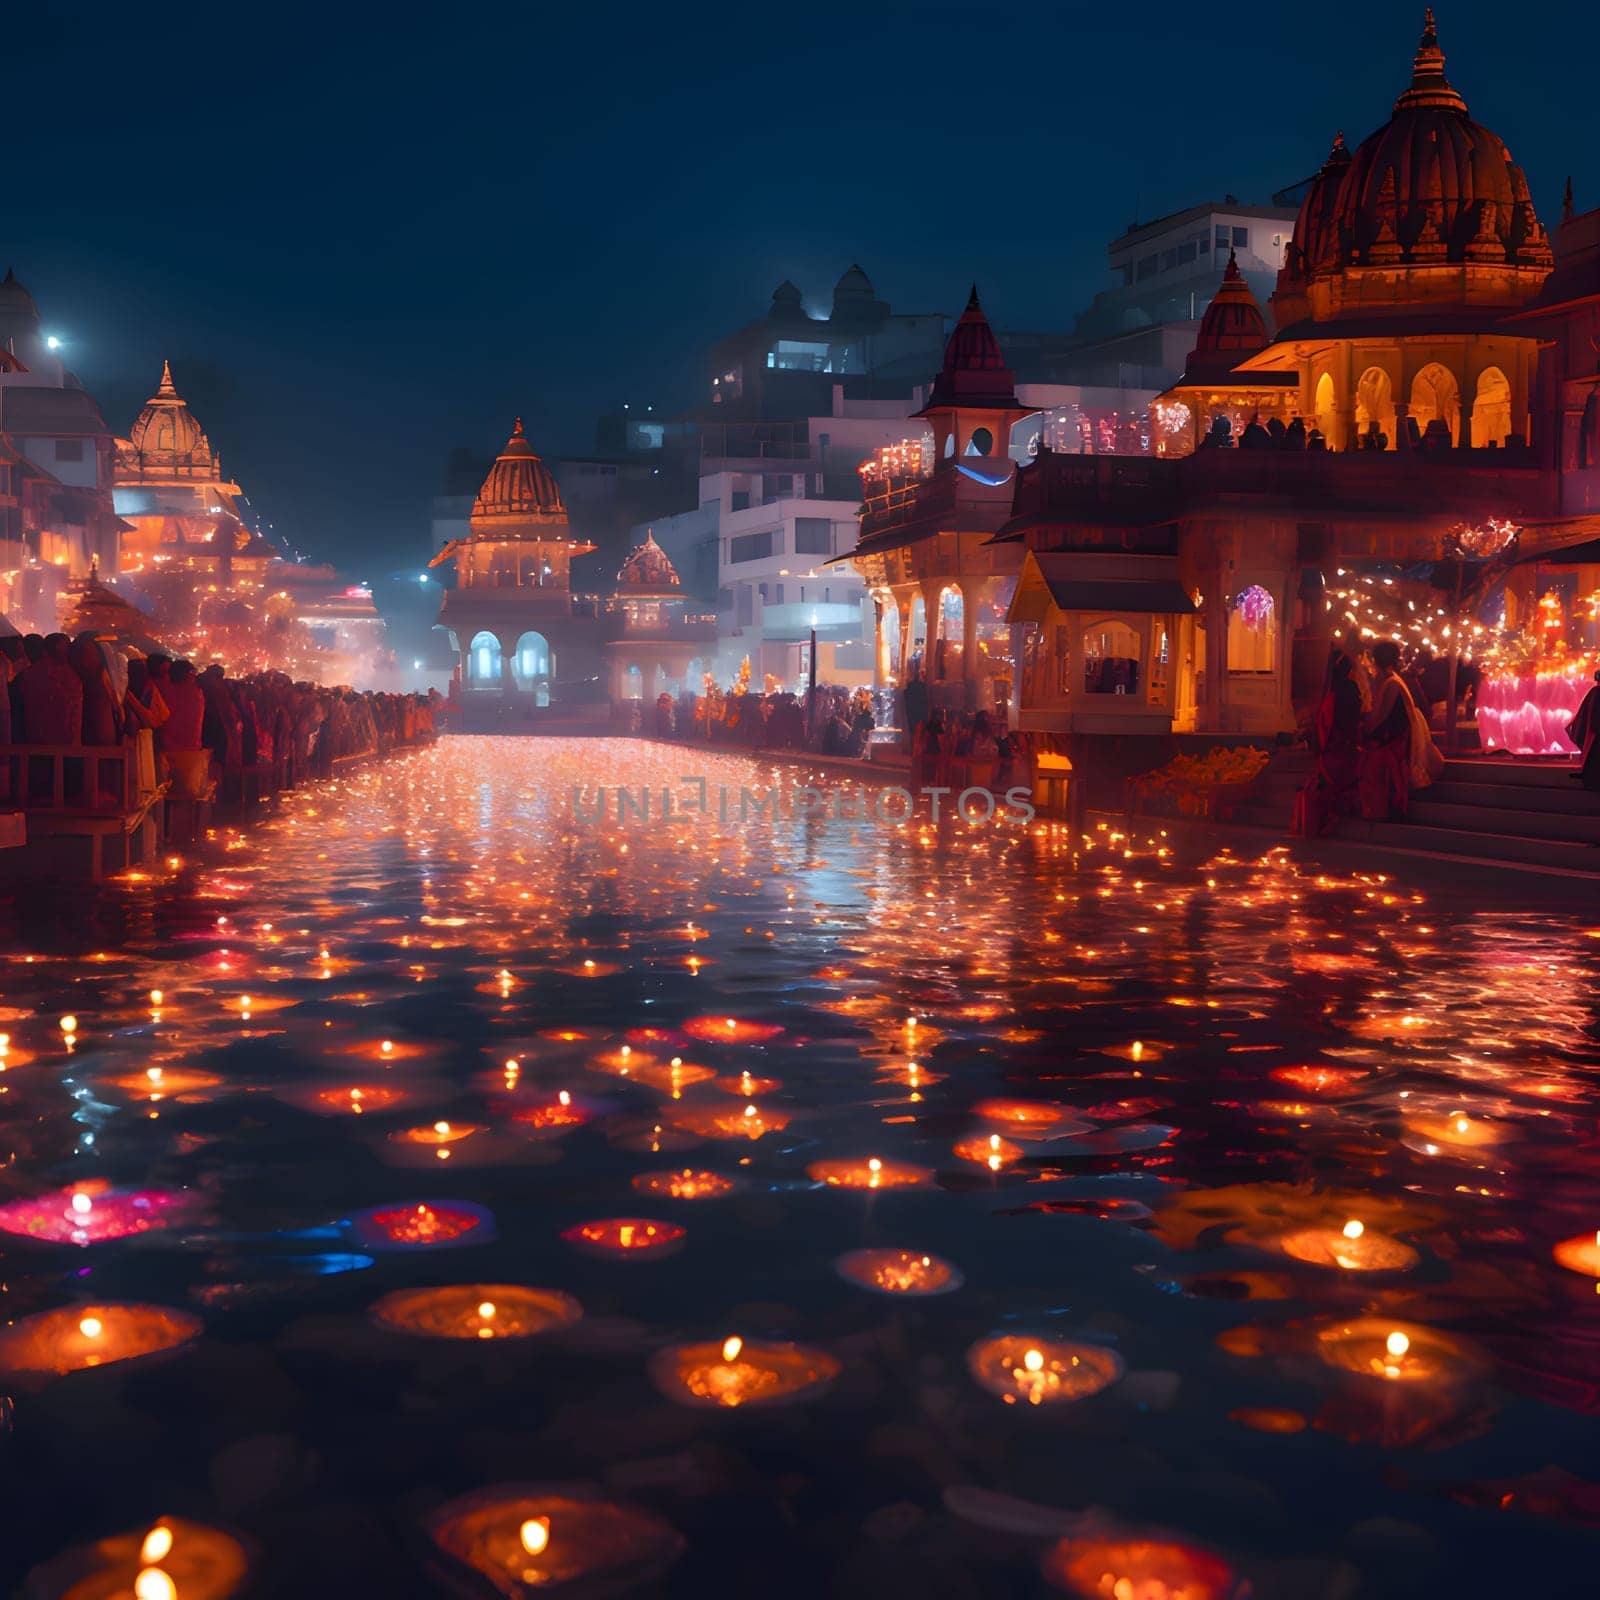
x=1373 y=741
x=203 y=725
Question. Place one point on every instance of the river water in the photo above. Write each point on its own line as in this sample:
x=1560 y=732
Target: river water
x=1144 y=1097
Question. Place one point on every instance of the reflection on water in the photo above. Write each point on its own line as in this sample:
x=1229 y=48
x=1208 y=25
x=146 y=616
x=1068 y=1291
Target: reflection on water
x=1256 y=1175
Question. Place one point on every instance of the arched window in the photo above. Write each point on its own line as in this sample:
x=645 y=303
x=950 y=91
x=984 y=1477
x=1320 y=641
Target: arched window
x=1375 y=409
x=1111 y=658
x=1491 y=409
x=483 y=661
x=891 y=636
x=981 y=443
x=1435 y=398
x=919 y=636
x=951 y=636
x=633 y=684
x=1252 y=631
x=1326 y=415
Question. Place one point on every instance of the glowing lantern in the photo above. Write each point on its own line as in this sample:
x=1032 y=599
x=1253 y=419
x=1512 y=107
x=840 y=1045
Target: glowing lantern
x=1352 y=1248
x=909 y=1273
x=1129 y=1567
x=74 y=1338
x=422 y=1225
x=172 y=1559
x=625 y=1237
x=687 y=1184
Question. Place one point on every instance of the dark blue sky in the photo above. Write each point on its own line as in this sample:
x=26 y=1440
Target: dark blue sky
x=366 y=236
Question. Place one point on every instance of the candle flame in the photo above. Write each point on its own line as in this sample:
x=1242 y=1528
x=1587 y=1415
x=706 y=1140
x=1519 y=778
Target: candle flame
x=1033 y=1360
x=157 y=1544
x=1354 y=1229
x=69 y=1024
x=874 y=1165
x=91 y=1327
x=731 y=1348
x=1397 y=1344
x=155 y=997
x=486 y=1310
x=535 y=1535
x=82 y=1205
x=154 y=1584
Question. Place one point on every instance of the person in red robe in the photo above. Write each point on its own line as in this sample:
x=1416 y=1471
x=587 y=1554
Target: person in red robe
x=1330 y=792
x=1384 y=780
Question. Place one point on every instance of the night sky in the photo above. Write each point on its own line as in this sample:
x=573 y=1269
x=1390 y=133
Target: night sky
x=364 y=237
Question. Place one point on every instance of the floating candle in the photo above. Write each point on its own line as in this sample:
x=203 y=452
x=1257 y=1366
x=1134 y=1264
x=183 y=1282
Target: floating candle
x=481 y=1311
x=437 y=1133
x=422 y=1225
x=1456 y=1132
x=626 y=1237
x=1352 y=1248
x=532 y=1539
x=873 y=1173
x=739 y=1372
x=687 y=1184
x=74 y=1338
x=1128 y=1567
x=992 y=1152
x=730 y=1030
x=1396 y=1352
x=1042 y=1371
x=750 y=1122
x=746 y=1086
x=172 y=1559
x=92 y=1213
x=899 y=1272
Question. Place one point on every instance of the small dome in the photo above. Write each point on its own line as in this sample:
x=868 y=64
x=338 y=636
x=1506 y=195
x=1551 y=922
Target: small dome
x=1233 y=326
x=519 y=484
x=165 y=438
x=648 y=567
x=786 y=294
x=854 y=284
x=855 y=301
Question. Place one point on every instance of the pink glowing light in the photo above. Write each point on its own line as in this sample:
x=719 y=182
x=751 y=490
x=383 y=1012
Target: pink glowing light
x=91 y=1213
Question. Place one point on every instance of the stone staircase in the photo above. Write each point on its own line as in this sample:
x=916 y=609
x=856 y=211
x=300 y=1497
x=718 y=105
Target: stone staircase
x=1530 y=813
x=1485 y=809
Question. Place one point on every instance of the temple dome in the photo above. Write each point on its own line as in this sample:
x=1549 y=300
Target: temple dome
x=787 y=304
x=519 y=485
x=1429 y=188
x=648 y=567
x=855 y=301
x=166 y=440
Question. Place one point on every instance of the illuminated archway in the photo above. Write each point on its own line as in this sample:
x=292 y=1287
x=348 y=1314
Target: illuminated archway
x=890 y=625
x=1491 y=409
x=951 y=633
x=918 y=643
x=1112 y=651
x=1325 y=410
x=1375 y=404
x=633 y=683
x=483 y=661
x=531 y=663
x=1435 y=397
x=1252 y=631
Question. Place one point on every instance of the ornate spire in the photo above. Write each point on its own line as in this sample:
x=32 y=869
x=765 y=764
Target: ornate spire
x=1429 y=86
x=1339 y=155
x=166 y=389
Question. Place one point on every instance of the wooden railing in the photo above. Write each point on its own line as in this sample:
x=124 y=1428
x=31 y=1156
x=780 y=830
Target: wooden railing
x=87 y=780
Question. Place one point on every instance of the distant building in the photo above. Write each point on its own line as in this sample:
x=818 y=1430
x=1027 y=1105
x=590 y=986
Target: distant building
x=784 y=365
x=58 y=457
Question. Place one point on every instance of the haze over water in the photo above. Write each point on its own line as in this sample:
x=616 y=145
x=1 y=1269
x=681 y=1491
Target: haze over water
x=1211 y=1054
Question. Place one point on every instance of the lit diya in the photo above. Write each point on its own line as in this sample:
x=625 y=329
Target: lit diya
x=672 y=1077
x=1581 y=1254
x=747 y=1087
x=1456 y=1133
x=1130 y=1567
x=93 y=1213
x=685 y=1184
x=386 y=1052
x=352 y=1100
x=899 y=1272
x=873 y=1173
x=75 y=1338
x=1396 y=1352
x=555 y=1115
x=741 y=1372
x=172 y=1559
x=1320 y=1079
x=1352 y=1248
x=1042 y=1371
x=1031 y=1118
x=422 y=1225
x=531 y=1539
x=625 y=1237
x=730 y=1030
x=157 y=1083
x=476 y=1311
x=993 y=1152
x=750 y=1122
x=1137 y=1050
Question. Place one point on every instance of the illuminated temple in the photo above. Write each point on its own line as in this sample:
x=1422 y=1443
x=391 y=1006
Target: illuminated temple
x=1420 y=388
x=525 y=643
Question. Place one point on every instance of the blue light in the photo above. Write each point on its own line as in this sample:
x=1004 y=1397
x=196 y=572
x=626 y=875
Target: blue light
x=980 y=477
